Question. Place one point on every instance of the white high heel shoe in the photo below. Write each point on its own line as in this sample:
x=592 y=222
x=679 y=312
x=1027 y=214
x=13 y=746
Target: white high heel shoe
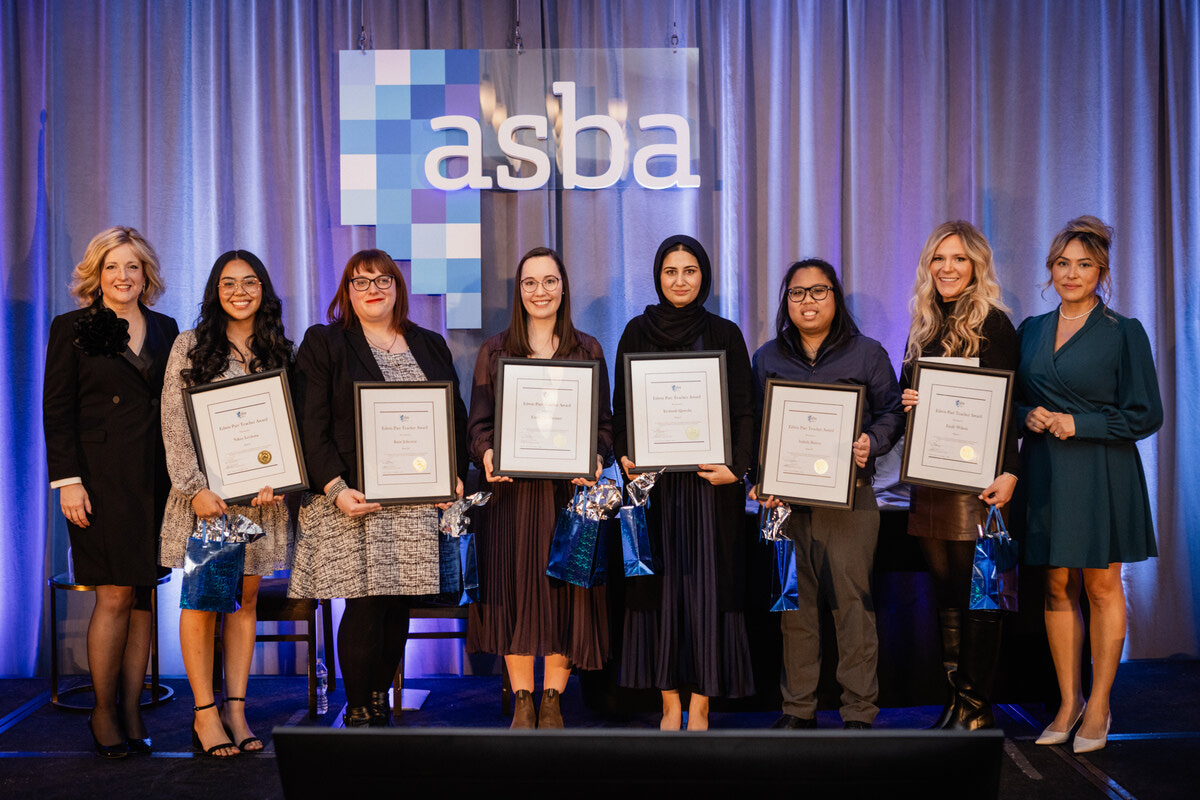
x=1083 y=745
x=1051 y=736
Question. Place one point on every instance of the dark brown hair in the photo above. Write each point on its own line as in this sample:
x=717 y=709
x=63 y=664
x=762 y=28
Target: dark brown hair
x=341 y=310
x=516 y=339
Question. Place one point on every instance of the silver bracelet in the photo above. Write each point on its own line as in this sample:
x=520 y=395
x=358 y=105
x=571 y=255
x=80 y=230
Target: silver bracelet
x=333 y=491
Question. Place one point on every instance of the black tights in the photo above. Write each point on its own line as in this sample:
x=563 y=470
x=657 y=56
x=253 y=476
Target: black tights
x=371 y=641
x=950 y=565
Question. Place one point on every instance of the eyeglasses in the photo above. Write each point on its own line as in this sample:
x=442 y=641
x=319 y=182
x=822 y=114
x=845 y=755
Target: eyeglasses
x=530 y=285
x=818 y=293
x=249 y=285
x=382 y=283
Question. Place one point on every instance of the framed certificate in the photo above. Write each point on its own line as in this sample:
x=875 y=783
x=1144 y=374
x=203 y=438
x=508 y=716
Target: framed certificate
x=804 y=453
x=547 y=412
x=957 y=432
x=245 y=434
x=678 y=414
x=405 y=441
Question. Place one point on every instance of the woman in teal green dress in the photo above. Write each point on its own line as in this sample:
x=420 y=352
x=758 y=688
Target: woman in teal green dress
x=1087 y=393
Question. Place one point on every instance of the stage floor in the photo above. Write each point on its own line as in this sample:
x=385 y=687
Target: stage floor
x=45 y=752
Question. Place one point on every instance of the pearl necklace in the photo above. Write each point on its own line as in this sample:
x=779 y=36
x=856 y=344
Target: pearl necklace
x=1077 y=316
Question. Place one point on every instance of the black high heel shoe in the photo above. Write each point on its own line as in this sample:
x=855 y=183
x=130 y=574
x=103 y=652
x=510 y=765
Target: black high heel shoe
x=140 y=747
x=198 y=746
x=119 y=750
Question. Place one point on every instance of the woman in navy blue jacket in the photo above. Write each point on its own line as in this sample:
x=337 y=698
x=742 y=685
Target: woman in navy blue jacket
x=818 y=342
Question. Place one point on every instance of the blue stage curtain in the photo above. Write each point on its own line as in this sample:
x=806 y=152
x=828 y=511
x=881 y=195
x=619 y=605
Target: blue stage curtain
x=845 y=130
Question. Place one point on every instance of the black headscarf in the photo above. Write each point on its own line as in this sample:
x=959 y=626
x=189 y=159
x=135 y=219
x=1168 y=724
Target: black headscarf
x=665 y=325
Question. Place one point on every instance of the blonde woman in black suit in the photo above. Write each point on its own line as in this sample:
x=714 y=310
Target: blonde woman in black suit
x=104 y=377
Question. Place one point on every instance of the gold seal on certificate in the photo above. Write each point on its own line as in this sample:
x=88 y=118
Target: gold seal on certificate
x=956 y=433
x=245 y=435
x=692 y=433
x=806 y=449
x=406 y=452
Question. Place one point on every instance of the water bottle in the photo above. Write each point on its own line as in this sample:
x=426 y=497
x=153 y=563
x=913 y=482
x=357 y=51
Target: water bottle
x=322 y=688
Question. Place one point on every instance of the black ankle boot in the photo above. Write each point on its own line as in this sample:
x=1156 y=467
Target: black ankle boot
x=979 y=656
x=380 y=710
x=357 y=717
x=950 y=627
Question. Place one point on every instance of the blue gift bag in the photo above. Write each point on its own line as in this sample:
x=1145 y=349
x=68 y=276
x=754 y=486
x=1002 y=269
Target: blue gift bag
x=785 y=594
x=212 y=572
x=635 y=542
x=470 y=569
x=994 y=574
x=577 y=551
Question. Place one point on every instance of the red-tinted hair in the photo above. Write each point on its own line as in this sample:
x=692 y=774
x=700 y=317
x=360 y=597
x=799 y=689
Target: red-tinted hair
x=341 y=310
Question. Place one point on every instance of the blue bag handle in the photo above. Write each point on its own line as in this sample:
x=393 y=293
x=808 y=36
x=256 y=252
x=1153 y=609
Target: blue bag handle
x=994 y=526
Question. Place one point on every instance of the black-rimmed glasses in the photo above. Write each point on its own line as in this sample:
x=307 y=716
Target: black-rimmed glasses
x=818 y=293
x=382 y=283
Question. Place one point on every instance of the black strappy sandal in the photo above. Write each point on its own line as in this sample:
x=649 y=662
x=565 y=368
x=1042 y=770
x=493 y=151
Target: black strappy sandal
x=211 y=752
x=249 y=739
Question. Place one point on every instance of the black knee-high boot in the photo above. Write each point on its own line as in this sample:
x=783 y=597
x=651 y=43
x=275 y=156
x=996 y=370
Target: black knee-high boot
x=978 y=659
x=950 y=627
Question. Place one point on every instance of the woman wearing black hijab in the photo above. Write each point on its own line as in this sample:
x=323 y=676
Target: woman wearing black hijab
x=684 y=627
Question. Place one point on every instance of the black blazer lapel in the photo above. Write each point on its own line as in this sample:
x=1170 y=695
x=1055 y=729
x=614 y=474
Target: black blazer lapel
x=357 y=342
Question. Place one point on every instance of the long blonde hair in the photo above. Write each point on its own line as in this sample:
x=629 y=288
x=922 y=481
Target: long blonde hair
x=960 y=332
x=85 y=280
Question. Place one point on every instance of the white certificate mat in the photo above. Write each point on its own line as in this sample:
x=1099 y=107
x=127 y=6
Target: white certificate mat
x=805 y=448
x=406 y=448
x=244 y=430
x=678 y=415
x=957 y=431
x=547 y=412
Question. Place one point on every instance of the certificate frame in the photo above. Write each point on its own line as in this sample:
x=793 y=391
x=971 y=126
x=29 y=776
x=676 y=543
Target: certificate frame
x=804 y=453
x=388 y=472
x=213 y=418
x=519 y=451
x=705 y=439
x=968 y=408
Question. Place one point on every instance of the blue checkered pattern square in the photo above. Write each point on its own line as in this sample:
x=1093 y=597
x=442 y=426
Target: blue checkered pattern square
x=387 y=99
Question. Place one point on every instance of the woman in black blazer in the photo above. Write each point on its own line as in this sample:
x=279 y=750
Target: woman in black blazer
x=375 y=557
x=104 y=377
